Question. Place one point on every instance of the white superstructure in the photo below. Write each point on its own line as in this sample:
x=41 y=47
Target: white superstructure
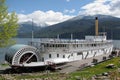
x=55 y=50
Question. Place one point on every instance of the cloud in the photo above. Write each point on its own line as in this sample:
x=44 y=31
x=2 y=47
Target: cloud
x=40 y=18
x=68 y=0
x=22 y=11
x=105 y=7
x=69 y=11
x=115 y=8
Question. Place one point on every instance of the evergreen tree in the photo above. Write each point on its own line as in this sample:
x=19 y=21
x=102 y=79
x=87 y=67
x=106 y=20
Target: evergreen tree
x=8 y=25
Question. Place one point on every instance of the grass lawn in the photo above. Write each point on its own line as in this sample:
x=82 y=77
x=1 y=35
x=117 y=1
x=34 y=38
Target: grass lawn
x=4 y=65
x=98 y=68
x=28 y=76
x=86 y=72
x=1 y=78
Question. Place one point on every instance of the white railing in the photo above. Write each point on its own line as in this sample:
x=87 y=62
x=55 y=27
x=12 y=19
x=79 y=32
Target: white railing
x=66 y=41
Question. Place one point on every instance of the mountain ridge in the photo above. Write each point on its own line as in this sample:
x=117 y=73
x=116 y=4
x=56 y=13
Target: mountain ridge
x=79 y=26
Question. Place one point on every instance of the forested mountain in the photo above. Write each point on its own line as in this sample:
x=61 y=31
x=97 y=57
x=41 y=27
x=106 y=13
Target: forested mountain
x=79 y=26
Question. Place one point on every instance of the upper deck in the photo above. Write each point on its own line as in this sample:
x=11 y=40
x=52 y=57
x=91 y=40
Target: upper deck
x=87 y=40
x=52 y=45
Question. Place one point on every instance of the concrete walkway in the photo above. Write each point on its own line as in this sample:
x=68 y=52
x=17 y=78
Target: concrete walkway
x=77 y=65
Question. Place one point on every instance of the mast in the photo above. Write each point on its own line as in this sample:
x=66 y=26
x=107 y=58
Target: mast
x=58 y=36
x=71 y=36
x=96 y=26
x=32 y=31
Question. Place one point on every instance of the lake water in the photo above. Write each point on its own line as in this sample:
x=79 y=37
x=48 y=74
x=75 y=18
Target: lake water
x=116 y=44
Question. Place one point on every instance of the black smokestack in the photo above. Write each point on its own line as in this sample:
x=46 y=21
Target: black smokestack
x=96 y=26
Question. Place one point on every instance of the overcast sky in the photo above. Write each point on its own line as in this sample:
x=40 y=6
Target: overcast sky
x=55 y=11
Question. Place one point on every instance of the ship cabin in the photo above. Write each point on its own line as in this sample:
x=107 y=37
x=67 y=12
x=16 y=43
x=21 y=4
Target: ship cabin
x=65 y=48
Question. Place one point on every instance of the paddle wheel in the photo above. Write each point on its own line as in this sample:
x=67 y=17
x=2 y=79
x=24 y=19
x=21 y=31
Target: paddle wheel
x=28 y=58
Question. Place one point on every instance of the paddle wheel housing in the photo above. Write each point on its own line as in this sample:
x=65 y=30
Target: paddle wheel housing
x=18 y=54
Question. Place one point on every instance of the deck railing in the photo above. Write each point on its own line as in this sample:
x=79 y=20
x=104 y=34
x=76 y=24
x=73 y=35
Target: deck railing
x=66 y=41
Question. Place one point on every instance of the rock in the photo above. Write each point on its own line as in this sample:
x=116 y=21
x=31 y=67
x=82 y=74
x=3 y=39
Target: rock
x=111 y=66
x=77 y=77
x=105 y=74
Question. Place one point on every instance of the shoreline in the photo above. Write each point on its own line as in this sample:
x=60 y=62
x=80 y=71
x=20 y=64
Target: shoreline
x=76 y=65
x=47 y=75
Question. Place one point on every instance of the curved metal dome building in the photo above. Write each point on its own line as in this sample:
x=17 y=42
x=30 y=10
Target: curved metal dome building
x=19 y=54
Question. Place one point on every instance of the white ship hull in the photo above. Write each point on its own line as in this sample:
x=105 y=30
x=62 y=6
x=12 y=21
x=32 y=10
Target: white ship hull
x=56 y=51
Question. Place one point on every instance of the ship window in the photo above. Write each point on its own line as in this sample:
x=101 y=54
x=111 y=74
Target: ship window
x=63 y=56
x=59 y=45
x=53 y=45
x=65 y=45
x=57 y=55
x=72 y=54
x=76 y=45
x=49 y=55
x=95 y=44
x=92 y=45
x=42 y=58
x=49 y=45
x=79 y=53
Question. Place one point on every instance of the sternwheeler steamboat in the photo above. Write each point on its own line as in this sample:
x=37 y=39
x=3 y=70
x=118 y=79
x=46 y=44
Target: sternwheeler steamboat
x=47 y=52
